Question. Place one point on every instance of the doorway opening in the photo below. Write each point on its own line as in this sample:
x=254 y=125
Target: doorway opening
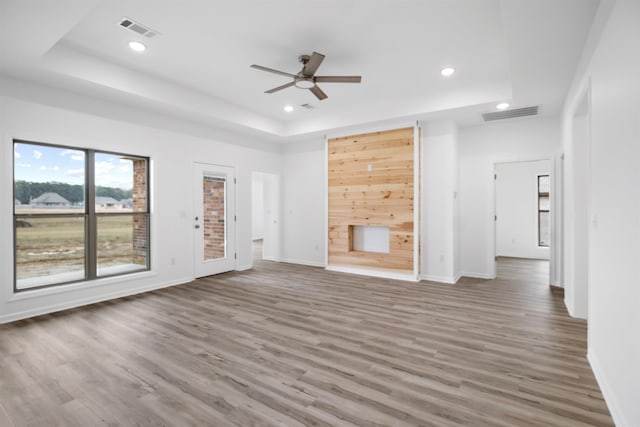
x=265 y=216
x=523 y=216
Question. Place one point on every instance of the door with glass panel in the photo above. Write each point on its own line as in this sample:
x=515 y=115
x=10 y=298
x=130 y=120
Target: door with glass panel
x=214 y=219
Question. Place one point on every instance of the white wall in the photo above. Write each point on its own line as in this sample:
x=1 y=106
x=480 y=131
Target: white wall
x=611 y=78
x=481 y=147
x=577 y=211
x=172 y=155
x=257 y=206
x=304 y=205
x=517 y=209
x=439 y=212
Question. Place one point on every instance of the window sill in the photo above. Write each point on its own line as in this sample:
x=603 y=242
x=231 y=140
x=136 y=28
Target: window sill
x=79 y=286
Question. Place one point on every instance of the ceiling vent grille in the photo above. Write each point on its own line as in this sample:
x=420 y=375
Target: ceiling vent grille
x=307 y=106
x=510 y=114
x=138 y=28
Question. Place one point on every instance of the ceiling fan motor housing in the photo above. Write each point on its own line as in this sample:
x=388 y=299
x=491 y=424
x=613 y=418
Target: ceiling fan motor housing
x=303 y=59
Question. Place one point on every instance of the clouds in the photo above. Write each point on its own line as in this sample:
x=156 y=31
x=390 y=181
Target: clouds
x=45 y=163
x=77 y=156
x=113 y=171
x=125 y=166
x=103 y=167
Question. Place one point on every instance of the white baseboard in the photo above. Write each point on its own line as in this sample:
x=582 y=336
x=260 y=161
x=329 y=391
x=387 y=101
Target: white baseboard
x=304 y=262
x=607 y=392
x=477 y=275
x=271 y=258
x=458 y=276
x=244 y=267
x=451 y=280
x=38 y=311
x=568 y=306
x=572 y=311
x=375 y=273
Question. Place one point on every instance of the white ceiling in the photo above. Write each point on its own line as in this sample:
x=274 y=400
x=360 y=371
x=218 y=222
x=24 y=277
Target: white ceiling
x=521 y=51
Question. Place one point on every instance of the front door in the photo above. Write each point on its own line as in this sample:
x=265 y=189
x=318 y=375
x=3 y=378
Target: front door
x=214 y=219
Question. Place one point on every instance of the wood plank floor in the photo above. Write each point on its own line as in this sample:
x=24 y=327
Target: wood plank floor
x=288 y=345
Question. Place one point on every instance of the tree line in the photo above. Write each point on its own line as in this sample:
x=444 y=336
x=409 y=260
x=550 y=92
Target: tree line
x=25 y=191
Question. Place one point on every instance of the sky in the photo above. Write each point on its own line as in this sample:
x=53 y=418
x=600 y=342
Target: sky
x=38 y=163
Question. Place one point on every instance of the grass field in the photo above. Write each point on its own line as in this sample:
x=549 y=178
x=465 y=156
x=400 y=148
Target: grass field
x=47 y=246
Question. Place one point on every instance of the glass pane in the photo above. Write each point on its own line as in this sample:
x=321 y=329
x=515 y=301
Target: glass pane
x=122 y=244
x=543 y=184
x=49 y=251
x=544 y=229
x=543 y=203
x=213 y=191
x=48 y=179
x=121 y=183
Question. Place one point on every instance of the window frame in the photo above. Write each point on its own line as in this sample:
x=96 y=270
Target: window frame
x=89 y=214
x=539 y=211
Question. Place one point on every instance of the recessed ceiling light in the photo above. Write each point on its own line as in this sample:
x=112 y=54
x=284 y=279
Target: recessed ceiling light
x=447 y=71
x=288 y=108
x=137 y=46
x=502 y=106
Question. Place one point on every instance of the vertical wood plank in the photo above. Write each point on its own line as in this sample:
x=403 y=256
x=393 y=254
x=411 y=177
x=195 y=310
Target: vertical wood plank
x=371 y=183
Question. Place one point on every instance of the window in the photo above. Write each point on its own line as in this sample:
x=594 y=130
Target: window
x=543 y=211
x=62 y=238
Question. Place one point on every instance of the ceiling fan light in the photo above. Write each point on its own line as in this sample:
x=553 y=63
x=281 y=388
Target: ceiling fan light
x=304 y=83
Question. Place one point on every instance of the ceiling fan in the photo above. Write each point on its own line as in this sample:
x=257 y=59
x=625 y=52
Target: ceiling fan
x=306 y=78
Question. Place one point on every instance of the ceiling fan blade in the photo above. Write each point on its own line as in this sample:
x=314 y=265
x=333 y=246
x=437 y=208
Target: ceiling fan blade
x=318 y=93
x=271 y=70
x=275 y=89
x=311 y=67
x=338 y=79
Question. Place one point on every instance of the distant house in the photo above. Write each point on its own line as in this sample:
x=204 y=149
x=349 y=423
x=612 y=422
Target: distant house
x=126 y=203
x=107 y=202
x=50 y=200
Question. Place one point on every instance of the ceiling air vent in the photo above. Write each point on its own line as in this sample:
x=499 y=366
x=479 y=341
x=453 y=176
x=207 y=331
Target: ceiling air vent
x=510 y=114
x=138 y=28
x=307 y=106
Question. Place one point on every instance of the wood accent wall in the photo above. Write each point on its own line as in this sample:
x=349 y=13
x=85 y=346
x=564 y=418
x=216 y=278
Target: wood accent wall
x=383 y=196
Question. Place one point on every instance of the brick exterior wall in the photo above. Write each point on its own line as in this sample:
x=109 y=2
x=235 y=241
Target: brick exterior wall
x=213 y=200
x=140 y=238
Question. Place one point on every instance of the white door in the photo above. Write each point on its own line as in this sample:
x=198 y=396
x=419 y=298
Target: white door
x=214 y=219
